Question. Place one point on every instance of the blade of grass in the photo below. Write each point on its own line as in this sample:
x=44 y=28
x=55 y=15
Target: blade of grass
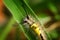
x=33 y=14
x=13 y=8
x=18 y=15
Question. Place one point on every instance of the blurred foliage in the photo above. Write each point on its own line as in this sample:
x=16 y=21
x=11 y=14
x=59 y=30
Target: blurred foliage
x=42 y=10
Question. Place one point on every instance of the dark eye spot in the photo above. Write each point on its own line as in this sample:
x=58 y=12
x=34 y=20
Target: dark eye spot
x=25 y=21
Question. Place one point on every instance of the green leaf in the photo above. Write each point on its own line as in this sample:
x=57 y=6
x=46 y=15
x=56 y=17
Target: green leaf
x=18 y=13
x=16 y=7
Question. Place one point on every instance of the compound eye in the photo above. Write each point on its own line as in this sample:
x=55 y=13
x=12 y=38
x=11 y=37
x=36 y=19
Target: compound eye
x=25 y=21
